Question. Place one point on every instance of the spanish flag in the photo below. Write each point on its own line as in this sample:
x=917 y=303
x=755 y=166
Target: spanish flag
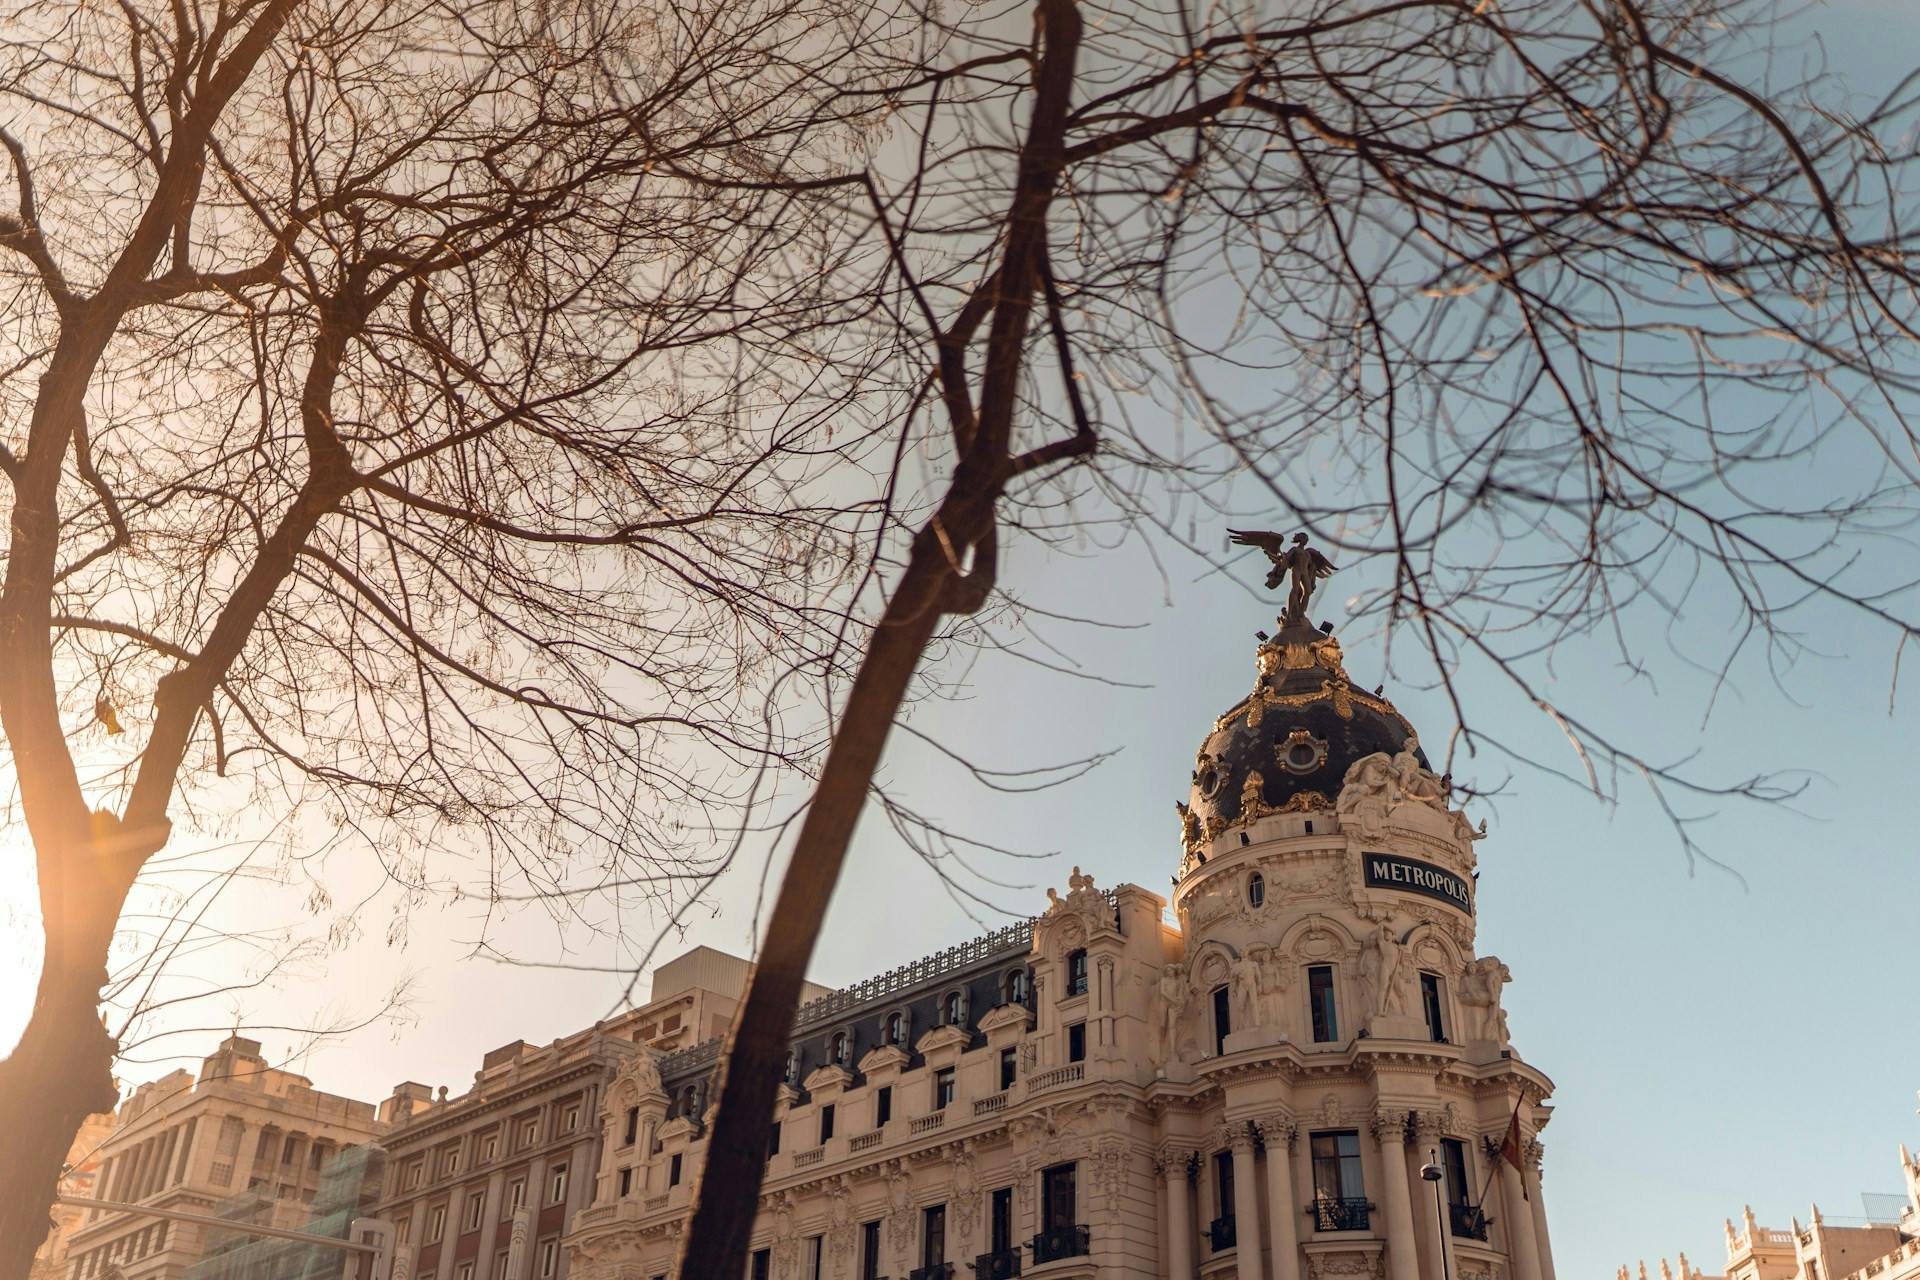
x=1510 y=1149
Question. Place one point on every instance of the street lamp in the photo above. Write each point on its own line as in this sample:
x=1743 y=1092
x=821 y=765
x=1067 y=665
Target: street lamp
x=1431 y=1172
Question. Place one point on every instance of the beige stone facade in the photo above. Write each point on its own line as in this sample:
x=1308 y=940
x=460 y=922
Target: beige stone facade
x=1248 y=1088
x=485 y=1185
x=190 y=1143
x=81 y=1178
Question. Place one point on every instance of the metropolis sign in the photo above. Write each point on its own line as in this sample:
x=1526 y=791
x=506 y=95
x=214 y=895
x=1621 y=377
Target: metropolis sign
x=1387 y=871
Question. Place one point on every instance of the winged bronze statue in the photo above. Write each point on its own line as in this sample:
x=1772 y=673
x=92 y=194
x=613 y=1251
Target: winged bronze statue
x=1301 y=562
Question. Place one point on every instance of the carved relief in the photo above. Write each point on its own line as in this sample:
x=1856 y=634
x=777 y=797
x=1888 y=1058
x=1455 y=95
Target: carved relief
x=965 y=1203
x=840 y=1224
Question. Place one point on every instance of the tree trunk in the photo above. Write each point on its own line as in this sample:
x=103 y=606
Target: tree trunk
x=61 y=1072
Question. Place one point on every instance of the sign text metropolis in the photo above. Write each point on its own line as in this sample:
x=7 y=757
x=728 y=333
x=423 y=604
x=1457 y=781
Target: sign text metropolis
x=1387 y=871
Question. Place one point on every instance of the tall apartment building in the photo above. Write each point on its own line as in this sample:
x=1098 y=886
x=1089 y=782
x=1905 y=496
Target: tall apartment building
x=484 y=1186
x=1308 y=1075
x=192 y=1143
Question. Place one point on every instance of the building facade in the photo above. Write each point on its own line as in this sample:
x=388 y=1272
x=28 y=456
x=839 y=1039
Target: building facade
x=1262 y=1085
x=80 y=1178
x=484 y=1186
x=193 y=1143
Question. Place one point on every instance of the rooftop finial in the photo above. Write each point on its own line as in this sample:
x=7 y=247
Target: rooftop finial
x=1301 y=562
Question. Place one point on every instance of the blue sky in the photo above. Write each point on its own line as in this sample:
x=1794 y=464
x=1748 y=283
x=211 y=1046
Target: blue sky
x=1716 y=1040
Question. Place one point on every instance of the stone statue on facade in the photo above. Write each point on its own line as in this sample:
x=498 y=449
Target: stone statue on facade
x=1413 y=782
x=1367 y=793
x=1170 y=1000
x=1243 y=988
x=638 y=1065
x=1382 y=968
x=1300 y=562
x=1480 y=996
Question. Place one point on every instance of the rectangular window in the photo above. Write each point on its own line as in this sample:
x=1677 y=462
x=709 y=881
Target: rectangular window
x=773 y=1140
x=516 y=1194
x=1077 y=973
x=529 y=1131
x=463 y=1272
x=1008 y=1061
x=633 y=1127
x=1222 y=1020
x=933 y=1235
x=826 y=1123
x=476 y=1205
x=1326 y=1025
x=1430 y=1005
x=816 y=1258
x=557 y=1184
x=436 y=1223
x=402 y=1231
x=673 y=1170
x=626 y=1182
x=942 y=1088
x=500 y=1264
x=1077 y=1042
x=883 y=1105
x=1453 y=1158
x=870 y=1251
x=761 y=1265
x=570 y=1120
x=1223 y=1183
x=1001 y=1221
x=1336 y=1166
x=549 y=1257
x=1056 y=1198
x=489 y=1147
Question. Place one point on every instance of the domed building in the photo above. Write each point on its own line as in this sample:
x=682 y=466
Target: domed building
x=1305 y=1071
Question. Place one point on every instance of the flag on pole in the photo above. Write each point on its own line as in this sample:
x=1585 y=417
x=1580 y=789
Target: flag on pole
x=1510 y=1149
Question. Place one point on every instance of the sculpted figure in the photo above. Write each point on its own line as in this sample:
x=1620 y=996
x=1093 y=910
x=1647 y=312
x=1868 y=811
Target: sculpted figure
x=1480 y=995
x=1299 y=562
x=1382 y=963
x=1367 y=792
x=1076 y=882
x=1274 y=977
x=1413 y=782
x=1243 y=988
x=1172 y=992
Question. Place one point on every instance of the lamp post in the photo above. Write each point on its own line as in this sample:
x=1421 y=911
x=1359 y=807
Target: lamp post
x=1431 y=1172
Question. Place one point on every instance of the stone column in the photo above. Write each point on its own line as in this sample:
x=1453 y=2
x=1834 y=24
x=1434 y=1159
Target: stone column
x=1176 y=1214
x=190 y=1145
x=1535 y=1154
x=1246 y=1205
x=1403 y=1250
x=1282 y=1209
x=1430 y=1127
x=1523 y=1251
x=518 y=1246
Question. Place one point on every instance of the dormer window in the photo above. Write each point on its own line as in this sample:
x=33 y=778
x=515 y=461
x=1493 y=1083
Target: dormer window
x=841 y=1046
x=1017 y=986
x=953 y=1009
x=896 y=1028
x=1077 y=972
x=791 y=1072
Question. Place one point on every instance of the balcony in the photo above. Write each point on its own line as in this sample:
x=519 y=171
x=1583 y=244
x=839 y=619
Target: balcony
x=1347 y=1213
x=934 y=1271
x=927 y=1123
x=863 y=1141
x=1056 y=1243
x=808 y=1158
x=1470 y=1221
x=1072 y=1073
x=1001 y=1264
x=1221 y=1234
x=991 y=1103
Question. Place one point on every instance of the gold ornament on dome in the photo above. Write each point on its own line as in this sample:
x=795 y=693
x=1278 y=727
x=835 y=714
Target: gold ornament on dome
x=1301 y=752
x=1305 y=802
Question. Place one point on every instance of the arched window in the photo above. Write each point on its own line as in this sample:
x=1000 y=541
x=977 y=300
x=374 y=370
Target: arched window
x=686 y=1101
x=1017 y=986
x=953 y=1009
x=896 y=1029
x=791 y=1072
x=1256 y=889
x=841 y=1047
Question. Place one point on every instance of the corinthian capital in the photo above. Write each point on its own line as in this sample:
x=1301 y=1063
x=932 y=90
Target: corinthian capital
x=1389 y=1125
x=1277 y=1131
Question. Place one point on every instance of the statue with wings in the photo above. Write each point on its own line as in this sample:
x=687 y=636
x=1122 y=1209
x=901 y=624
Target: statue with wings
x=1300 y=562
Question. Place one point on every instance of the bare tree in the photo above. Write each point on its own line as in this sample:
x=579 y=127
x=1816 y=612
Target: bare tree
x=416 y=412
x=1494 y=267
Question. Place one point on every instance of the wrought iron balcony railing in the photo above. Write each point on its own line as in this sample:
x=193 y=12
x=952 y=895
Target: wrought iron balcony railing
x=1060 y=1242
x=1221 y=1232
x=933 y=1271
x=1001 y=1264
x=1348 y=1213
x=1470 y=1221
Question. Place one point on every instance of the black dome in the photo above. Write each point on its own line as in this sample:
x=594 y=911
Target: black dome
x=1294 y=737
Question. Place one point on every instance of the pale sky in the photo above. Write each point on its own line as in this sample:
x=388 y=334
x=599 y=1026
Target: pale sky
x=1712 y=1044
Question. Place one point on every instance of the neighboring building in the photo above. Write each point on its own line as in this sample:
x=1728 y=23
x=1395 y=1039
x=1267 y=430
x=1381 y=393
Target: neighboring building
x=1097 y=1092
x=1824 y=1249
x=349 y=1186
x=511 y=1160
x=80 y=1178
x=193 y=1144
